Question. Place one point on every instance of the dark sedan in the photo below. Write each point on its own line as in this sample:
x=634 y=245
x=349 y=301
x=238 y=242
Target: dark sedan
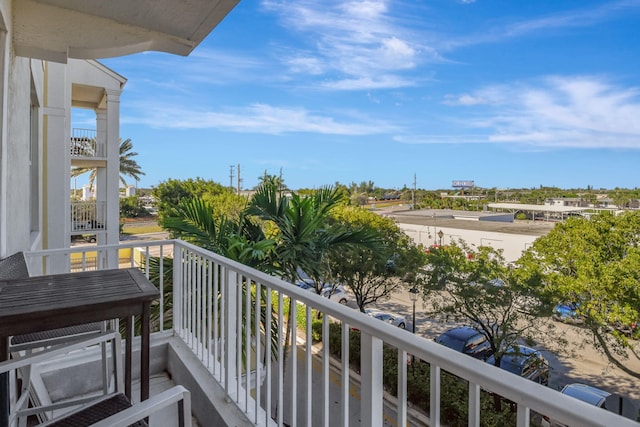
x=466 y=340
x=525 y=362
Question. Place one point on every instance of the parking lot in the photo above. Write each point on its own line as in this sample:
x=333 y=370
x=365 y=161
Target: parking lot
x=577 y=362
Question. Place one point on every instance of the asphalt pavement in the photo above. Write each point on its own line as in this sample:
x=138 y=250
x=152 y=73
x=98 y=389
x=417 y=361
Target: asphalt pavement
x=576 y=362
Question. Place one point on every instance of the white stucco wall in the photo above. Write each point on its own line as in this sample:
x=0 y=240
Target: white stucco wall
x=19 y=229
x=16 y=169
x=511 y=244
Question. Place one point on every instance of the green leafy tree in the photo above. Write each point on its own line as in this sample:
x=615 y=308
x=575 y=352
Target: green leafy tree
x=132 y=207
x=374 y=273
x=128 y=166
x=621 y=198
x=595 y=263
x=168 y=194
x=480 y=288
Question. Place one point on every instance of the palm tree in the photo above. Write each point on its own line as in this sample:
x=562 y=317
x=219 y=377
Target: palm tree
x=303 y=232
x=304 y=235
x=195 y=221
x=128 y=166
x=272 y=180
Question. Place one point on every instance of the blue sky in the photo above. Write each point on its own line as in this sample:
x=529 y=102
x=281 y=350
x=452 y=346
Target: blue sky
x=506 y=93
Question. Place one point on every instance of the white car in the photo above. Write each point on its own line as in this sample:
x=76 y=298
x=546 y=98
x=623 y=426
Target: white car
x=591 y=395
x=335 y=293
x=395 y=320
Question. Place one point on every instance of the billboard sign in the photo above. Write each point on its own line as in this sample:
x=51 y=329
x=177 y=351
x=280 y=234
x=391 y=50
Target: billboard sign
x=462 y=184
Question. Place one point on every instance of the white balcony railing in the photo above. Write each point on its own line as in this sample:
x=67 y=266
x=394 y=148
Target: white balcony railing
x=88 y=216
x=85 y=144
x=220 y=308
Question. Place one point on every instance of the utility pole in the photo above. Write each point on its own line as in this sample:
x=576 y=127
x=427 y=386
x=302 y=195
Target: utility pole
x=413 y=193
x=239 y=180
x=231 y=176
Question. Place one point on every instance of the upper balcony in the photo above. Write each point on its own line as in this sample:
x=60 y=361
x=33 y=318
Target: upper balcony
x=85 y=150
x=221 y=327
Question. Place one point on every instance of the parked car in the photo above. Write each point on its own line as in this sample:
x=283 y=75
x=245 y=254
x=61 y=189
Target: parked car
x=586 y=393
x=90 y=238
x=398 y=321
x=334 y=293
x=567 y=313
x=627 y=329
x=525 y=362
x=602 y=399
x=466 y=340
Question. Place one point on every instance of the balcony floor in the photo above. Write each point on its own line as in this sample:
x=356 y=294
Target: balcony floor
x=167 y=417
x=171 y=364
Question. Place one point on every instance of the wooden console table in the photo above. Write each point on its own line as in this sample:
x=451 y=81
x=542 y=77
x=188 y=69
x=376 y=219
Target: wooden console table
x=61 y=300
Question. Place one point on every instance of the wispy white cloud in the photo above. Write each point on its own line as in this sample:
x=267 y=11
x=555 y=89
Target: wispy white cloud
x=355 y=44
x=581 y=112
x=259 y=118
x=442 y=139
x=204 y=67
x=363 y=83
x=574 y=18
x=464 y=99
x=305 y=65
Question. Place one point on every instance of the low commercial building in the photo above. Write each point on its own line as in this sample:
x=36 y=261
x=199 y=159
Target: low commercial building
x=436 y=227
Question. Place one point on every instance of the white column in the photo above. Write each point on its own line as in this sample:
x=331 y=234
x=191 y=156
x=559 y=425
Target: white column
x=108 y=179
x=57 y=164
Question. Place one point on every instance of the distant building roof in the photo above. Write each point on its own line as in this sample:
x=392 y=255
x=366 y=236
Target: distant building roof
x=532 y=228
x=536 y=208
x=441 y=214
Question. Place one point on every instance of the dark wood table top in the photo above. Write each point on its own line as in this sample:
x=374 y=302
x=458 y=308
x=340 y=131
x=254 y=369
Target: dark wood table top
x=48 y=302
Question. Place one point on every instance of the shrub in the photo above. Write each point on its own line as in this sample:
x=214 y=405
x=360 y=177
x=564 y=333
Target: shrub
x=454 y=391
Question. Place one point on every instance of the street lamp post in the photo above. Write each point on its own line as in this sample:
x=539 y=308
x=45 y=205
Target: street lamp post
x=413 y=294
x=440 y=235
x=434 y=229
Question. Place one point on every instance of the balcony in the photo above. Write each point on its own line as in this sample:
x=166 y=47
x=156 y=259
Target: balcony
x=219 y=331
x=86 y=150
x=88 y=217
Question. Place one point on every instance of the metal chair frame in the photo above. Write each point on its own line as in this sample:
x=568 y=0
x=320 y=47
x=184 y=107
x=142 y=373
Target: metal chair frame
x=15 y=267
x=119 y=414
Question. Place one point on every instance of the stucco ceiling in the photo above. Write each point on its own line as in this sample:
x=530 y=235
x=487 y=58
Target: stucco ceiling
x=59 y=29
